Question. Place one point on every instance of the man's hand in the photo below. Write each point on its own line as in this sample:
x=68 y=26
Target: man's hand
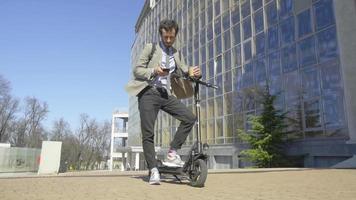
x=196 y=72
x=158 y=71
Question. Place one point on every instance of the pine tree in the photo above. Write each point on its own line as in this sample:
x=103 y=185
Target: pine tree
x=266 y=138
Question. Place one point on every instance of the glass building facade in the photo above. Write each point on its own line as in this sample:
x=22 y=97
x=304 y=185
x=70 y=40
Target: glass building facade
x=243 y=45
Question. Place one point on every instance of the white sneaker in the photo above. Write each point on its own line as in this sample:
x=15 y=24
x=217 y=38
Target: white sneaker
x=154 y=178
x=173 y=161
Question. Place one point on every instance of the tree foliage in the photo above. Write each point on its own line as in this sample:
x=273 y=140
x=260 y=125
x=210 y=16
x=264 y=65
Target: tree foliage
x=266 y=137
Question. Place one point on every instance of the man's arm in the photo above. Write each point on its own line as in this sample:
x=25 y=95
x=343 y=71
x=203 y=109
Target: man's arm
x=141 y=70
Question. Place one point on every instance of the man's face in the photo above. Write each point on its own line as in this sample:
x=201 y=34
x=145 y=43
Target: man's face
x=168 y=37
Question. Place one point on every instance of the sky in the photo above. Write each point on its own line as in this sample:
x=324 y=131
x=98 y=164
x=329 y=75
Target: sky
x=72 y=54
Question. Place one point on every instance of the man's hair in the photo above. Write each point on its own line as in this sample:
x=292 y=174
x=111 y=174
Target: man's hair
x=167 y=25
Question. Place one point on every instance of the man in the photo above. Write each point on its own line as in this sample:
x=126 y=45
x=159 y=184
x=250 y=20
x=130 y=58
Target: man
x=157 y=88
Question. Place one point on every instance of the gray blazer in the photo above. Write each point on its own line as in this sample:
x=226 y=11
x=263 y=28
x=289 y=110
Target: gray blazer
x=144 y=67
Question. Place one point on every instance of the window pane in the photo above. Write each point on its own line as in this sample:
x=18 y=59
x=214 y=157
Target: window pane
x=331 y=78
x=227 y=40
x=236 y=57
x=286 y=7
x=227 y=82
x=235 y=15
x=245 y=9
x=237 y=78
x=228 y=128
x=289 y=58
x=247 y=28
x=218 y=65
x=334 y=110
x=273 y=41
x=236 y=34
x=271 y=12
x=210 y=108
x=227 y=60
x=228 y=103
x=324 y=15
x=247 y=51
x=258 y=19
x=237 y=102
x=218 y=48
x=209 y=31
x=226 y=21
x=274 y=64
x=306 y=51
x=292 y=87
x=260 y=44
x=256 y=4
x=304 y=23
x=217 y=26
x=225 y=5
x=327 y=44
x=260 y=68
x=219 y=83
x=216 y=8
x=247 y=75
x=287 y=31
x=312 y=114
x=311 y=83
x=219 y=108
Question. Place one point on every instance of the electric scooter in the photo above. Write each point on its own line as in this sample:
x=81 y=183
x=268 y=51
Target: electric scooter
x=195 y=167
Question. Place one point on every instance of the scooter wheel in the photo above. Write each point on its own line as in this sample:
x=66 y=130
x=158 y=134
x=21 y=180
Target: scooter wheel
x=199 y=173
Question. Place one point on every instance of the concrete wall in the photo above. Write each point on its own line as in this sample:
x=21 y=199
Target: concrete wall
x=345 y=16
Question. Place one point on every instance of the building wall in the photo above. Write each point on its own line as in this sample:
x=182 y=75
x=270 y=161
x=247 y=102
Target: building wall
x=300 y=48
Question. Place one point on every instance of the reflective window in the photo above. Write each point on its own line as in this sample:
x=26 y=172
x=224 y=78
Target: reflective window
x=247 y=51
x=327 y=44
x=306 y=51
x=304 y=23
x=217 y=26
x=312 y=114
x=324 y=15
x=235 y=15
x=260 y=44
x=225 y=5
x=274 y=64
x=247 y=75
x=292 y=87
x=258 y=19
x=227 y=82
x=227 y=40
x=209 y=31
x=237 y=78
x=287 y=31
x=203 y=54
x=219 y=83
x=256 y=4
x=219 y=130
x=311 y=83
x=226 y=21
x=218 y=48
x=218 y=65
x=245 y=9
x=286 y=7
x=210 y=51
x=331 y=78
x=202 y=37
x=247 y=28
x=202 y=20
x=289 y=58
x=210 y=14
x=249 y=101
x=271 y=12
x=228 y=128
x=211 y=69
x=216 y=8
x=210 y=107
x=236 y=34
x=273 y=40
x=260 y=68
x=236 y=56
x=334 y=110
x=237 y=104
x=219 y=106
x=227 y=60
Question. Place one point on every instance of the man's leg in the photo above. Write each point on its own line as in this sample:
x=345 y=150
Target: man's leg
x=148 y=105
x=179 y=111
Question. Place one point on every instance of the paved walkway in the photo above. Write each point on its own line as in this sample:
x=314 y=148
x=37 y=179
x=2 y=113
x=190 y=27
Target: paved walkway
x=254 y=184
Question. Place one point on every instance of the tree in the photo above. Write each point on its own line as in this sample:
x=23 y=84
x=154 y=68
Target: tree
x=8 y=109
x=266 y=138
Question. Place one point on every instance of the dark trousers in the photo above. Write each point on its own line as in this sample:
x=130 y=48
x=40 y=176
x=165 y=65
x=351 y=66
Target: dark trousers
x=150 y=102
